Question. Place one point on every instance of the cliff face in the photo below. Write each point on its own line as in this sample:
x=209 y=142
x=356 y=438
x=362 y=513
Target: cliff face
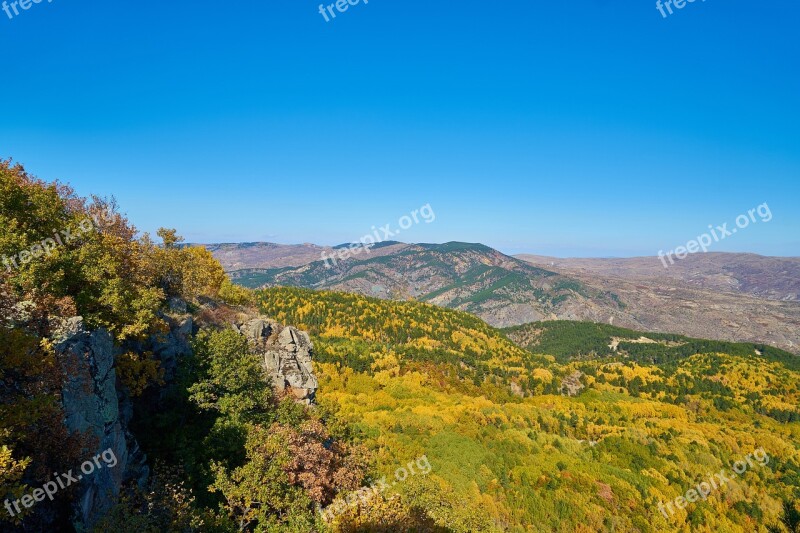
x=96 y=405
x=92 y=407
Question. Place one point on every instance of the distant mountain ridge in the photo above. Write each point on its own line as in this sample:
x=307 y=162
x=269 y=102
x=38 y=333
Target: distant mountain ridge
x=731 y=297
x=725 y=296
x=237 y=256
x=470 y=277
x=770 y=278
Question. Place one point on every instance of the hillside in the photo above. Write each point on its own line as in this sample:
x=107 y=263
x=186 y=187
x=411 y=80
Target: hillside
x=733 y=297
x=697 y=298
x=769 y=278
x=265 y=255
x=635 y=434
x=569 y=340
x=601 y=345
x=462 y=347
x=238 y=256
x=499 y=289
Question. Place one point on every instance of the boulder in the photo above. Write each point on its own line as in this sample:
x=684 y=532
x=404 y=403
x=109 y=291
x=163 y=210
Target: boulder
x=287 y=354
x=258 y=331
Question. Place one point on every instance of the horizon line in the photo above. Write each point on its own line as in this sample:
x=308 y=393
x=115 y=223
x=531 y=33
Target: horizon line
x=515 y=255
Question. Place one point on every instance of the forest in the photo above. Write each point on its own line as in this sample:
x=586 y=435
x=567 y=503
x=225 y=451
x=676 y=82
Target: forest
x=642 y=430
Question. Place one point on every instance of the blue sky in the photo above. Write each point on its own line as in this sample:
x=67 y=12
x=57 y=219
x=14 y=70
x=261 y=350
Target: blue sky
x=587 y=128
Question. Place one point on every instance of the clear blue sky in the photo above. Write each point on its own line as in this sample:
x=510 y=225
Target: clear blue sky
x=586 y=128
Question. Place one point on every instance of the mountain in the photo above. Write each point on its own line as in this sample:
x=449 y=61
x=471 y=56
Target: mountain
x=498 y=288
x=264 y=254
x=769 y=278
x=733 y=297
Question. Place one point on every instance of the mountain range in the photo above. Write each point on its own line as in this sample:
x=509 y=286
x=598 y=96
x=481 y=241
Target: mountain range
x=732 y=297
x=502 y=290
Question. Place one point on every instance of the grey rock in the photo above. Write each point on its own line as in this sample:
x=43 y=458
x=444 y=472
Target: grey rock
x=91 y=407
x=290 y=364
x=95 y=407
x=258 y=330
x=176 y=305
x=287 y=354
x=571 y=385
x=186 y=327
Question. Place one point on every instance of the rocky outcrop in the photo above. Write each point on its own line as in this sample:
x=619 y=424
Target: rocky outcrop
x=287 y=354
x=95 y=407
x=169 y=347
x=92 y=408
x=571 y=385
